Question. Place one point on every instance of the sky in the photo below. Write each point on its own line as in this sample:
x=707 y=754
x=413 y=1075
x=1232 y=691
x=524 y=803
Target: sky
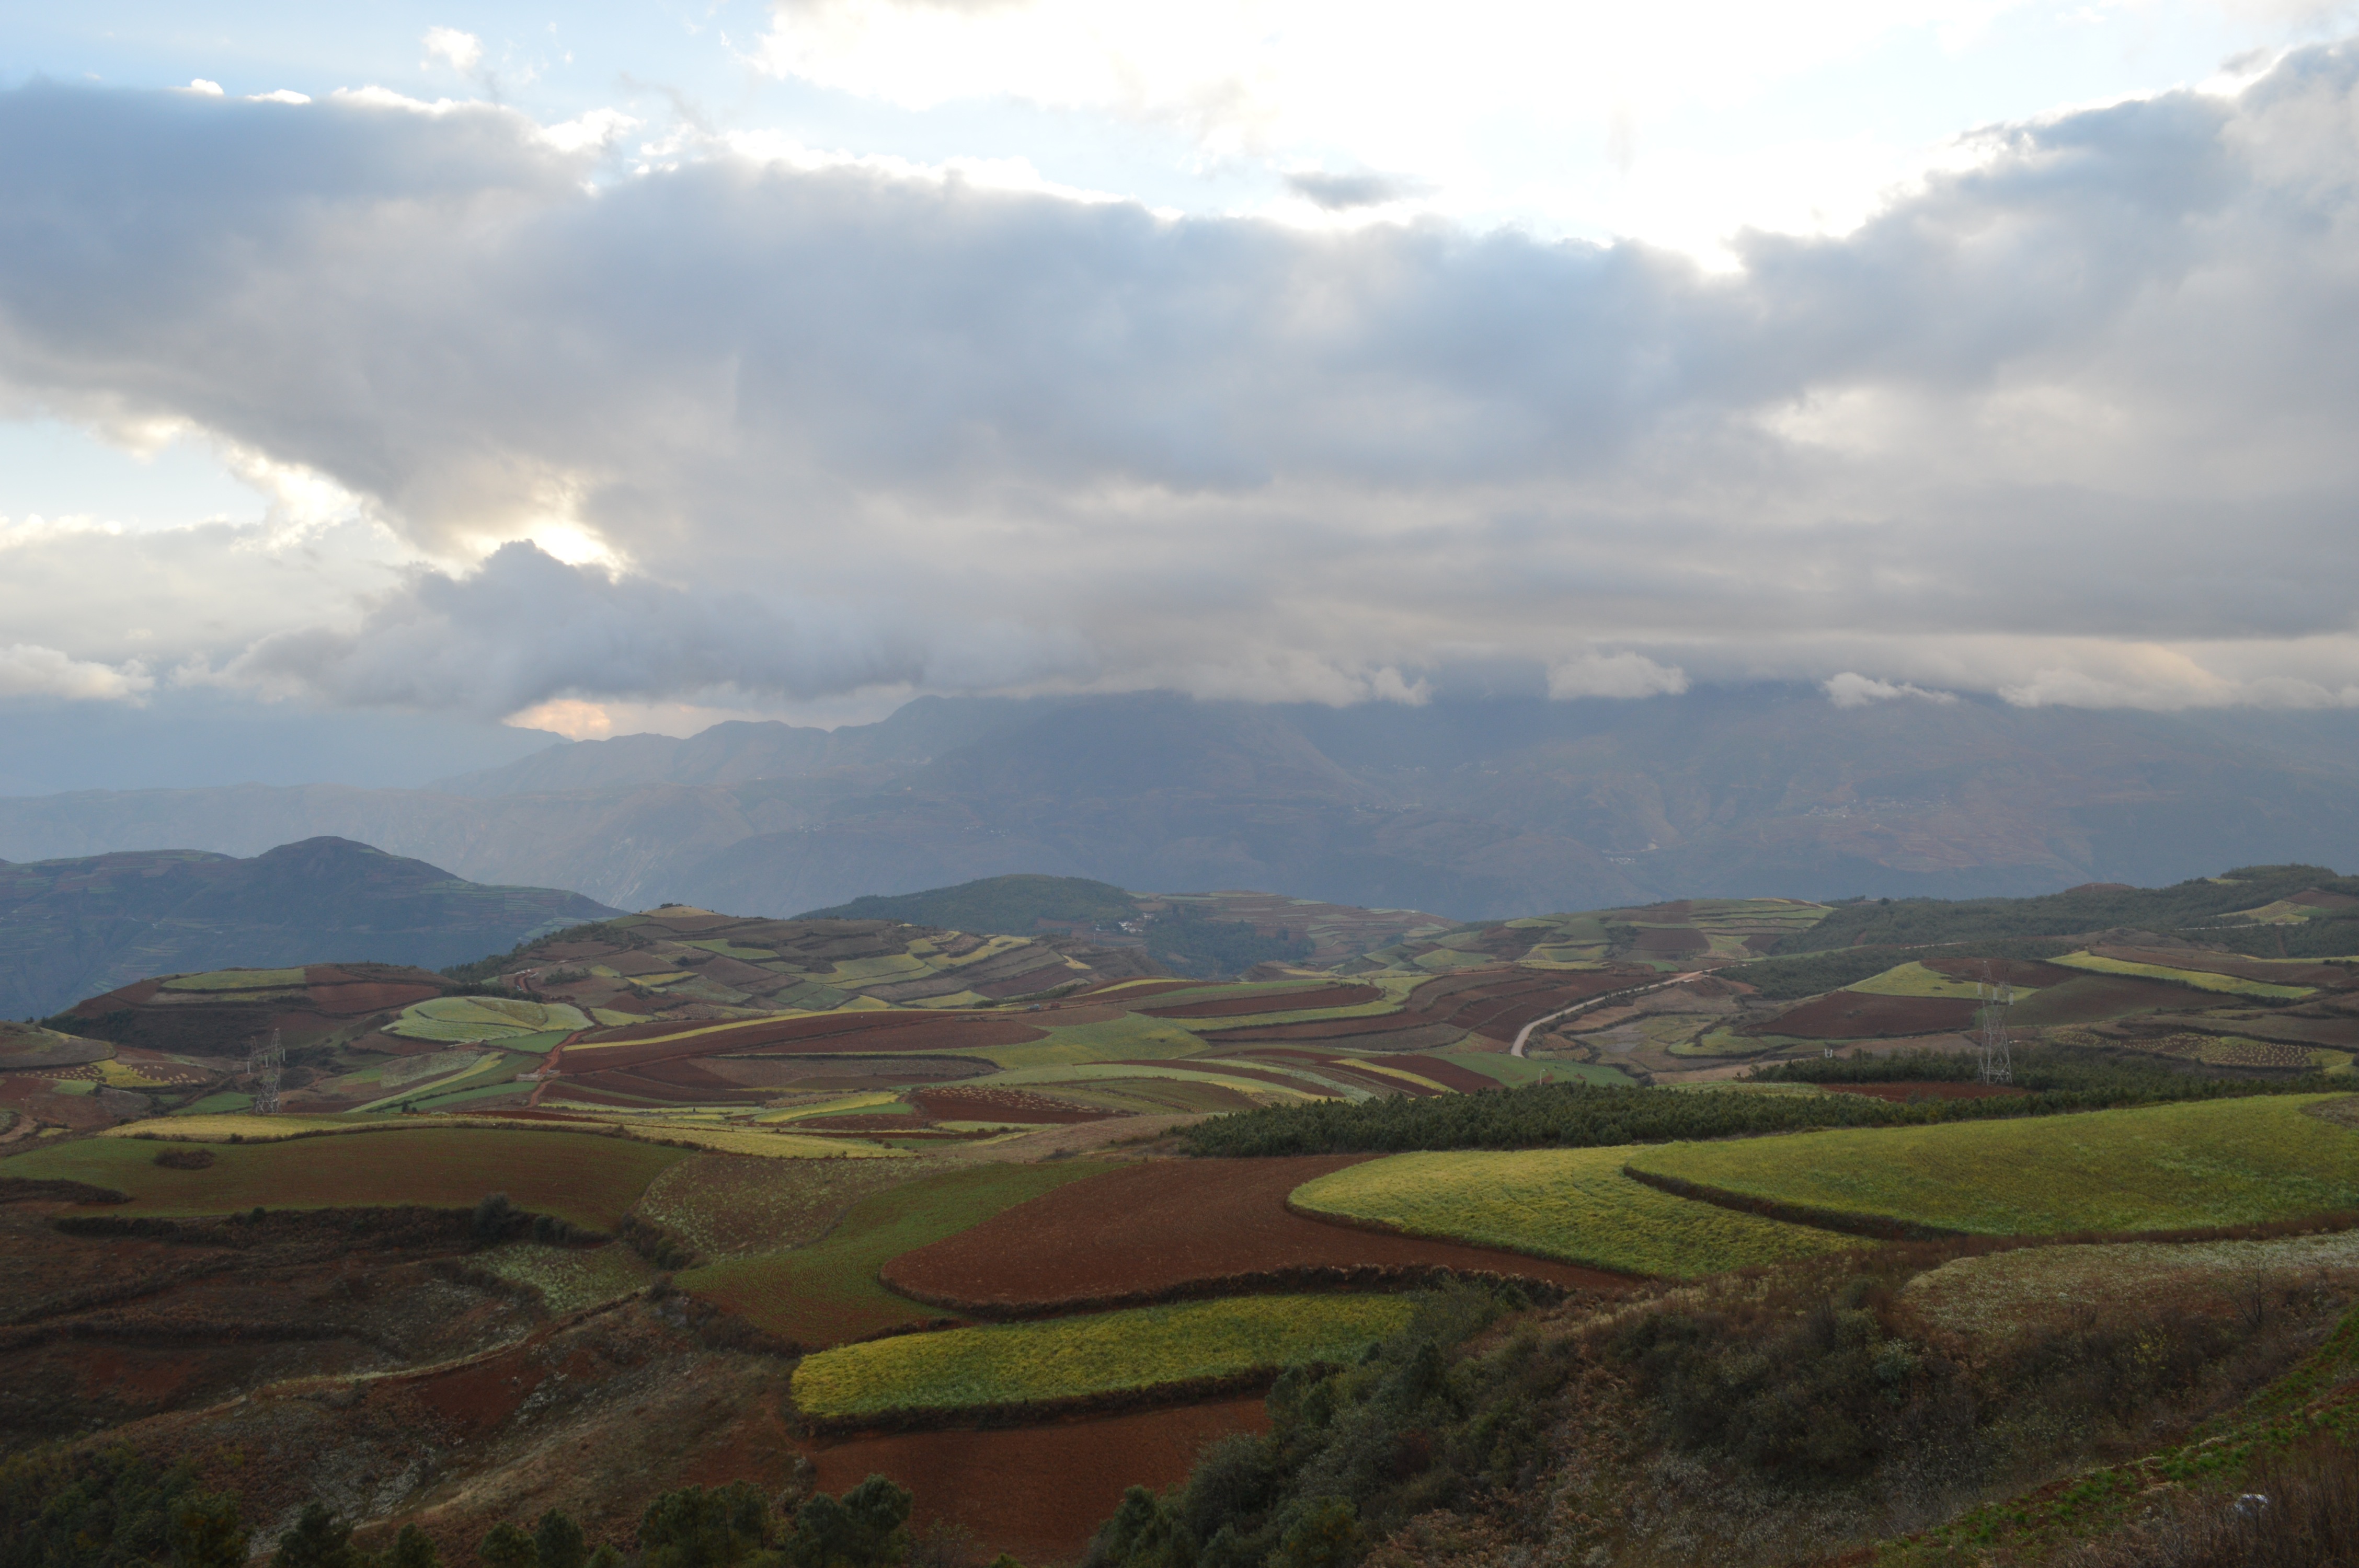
x=453 y=370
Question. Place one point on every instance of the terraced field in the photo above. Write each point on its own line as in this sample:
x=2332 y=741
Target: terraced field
x=2171 y=1167
x=828 y=1292
x=591 y=1181
x=1135 y=1351
x=1569 y=1204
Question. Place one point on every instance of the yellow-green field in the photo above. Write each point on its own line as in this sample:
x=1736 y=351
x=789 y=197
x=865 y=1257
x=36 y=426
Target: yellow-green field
x=2160 y=1168
x=1916 y=979
x=1571 y=1204
x=236 y=980
x=2201 y=979
x=1101 y=1353
x=463 y=1018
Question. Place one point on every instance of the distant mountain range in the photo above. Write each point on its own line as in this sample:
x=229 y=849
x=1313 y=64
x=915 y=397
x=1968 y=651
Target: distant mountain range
x=1472 y=808
x=72 y=928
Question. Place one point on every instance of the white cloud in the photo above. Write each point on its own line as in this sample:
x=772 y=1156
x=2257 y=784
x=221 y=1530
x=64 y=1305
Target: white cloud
x=2069 y=425
x=28 y=670
x=463 y=52
x=1851 y=689
x=1614 y=675
x=210 y=89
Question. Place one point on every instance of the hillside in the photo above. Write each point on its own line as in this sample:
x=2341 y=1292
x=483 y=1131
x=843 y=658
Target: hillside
x=1474 y=808
x=1214 y=934
x=71 y=928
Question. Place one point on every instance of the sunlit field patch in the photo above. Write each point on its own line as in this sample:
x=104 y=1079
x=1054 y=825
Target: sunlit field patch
x=1573 y=1203
x=1101 y=1353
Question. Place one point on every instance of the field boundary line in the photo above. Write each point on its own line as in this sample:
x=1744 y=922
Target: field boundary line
x=1337 y=1278
x=1041 y=1412
x=1387 y=1228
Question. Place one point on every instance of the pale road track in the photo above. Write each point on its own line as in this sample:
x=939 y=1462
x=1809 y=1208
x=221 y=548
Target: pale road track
x=1525 y=1033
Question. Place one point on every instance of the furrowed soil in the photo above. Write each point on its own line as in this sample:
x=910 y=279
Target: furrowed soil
x=1166 y=1229
x=1038 y=1492
x=728 y=1205
x=1003 y=1105
x=1286 y=1002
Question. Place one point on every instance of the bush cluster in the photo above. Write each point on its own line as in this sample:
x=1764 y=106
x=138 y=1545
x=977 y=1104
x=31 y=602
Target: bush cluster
x=1353 y=1455
x=497 y=1218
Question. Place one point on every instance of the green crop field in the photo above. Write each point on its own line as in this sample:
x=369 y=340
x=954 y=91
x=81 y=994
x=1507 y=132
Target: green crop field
x=1019 y=1363
x=2171 y=1167
x=236 y=981
x=1916 y=979
x=2202 y=979
x=582 y=1177
x=1573 y=1203
x=461 y=1017
x=828 y=1292
x=1129 y=1038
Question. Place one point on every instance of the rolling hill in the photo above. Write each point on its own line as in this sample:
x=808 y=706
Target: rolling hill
x=71 y=928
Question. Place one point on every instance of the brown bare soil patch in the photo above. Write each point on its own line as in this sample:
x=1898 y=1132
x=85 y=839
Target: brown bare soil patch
x=1448 y=1075
x=1660 y=942
x=2092 y=999
x=1491 y=1002
x=1848 y=1015
x=1266 y=1001
x=1167 y=1229
x=1003 y=1105
x=2013 y=971
x=1041 y=1491
x=1909 y=1091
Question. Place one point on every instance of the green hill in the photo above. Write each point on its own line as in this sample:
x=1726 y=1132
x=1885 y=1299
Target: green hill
x=1012 y=905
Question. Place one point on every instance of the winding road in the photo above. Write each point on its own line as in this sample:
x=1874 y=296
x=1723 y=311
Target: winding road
x=1525 y=1033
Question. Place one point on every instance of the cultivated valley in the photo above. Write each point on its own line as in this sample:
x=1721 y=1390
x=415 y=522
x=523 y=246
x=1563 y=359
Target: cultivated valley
x=1771 y=1224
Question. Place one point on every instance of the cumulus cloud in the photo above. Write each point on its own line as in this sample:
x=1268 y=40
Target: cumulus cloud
x=2069 y=426
x=26 y=670
x=463 y=52
x=1851 y=689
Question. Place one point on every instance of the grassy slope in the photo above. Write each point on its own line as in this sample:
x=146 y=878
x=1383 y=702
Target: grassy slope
x=2156 y=1168
x=828 y=1292
x=1099 y=1353
x=587 y=1179
x=1573 y=1204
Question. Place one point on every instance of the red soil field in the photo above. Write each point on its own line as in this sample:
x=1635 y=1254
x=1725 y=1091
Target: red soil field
x=357 y=997
x=2329 y=975
x=2016 y=971
x=1491 y=1002
x=2092 y=999
x=1003 y=1105
x=1230 y=1067
x=1848 y=1015
x=1289 y=1002
x=1448 y=1075
x=1926 y=1091
x=1167 y=1228
x=1038 y=1491
x=1344 y=1068
x=1672 y=944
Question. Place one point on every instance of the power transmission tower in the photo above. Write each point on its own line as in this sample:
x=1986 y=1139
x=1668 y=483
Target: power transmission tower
x=263 y=1064
x=1997 y=1058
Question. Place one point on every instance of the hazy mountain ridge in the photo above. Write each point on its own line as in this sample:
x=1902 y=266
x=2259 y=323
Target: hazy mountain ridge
x=73 y=928
x=1473 y=808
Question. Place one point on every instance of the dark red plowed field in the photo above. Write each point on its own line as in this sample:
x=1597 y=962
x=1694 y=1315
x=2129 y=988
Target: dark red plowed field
x=1448 y=1075
x=1003 y=1105
x=1491 y=1002
x=1848 y=1015
x=1038 y=1491
x=1165 y=1228
x=1269 y=1001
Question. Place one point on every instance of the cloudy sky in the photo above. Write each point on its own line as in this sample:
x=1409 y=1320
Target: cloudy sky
x=603 y=368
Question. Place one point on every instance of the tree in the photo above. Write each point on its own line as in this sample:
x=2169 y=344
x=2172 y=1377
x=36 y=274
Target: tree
x=411 y=1549
x=696 y=1528
x=561 y=1541
x=319 y=1539
x=862 y=1530
x=1327 y=1535
x=207 y=1533
x=508 y=1547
